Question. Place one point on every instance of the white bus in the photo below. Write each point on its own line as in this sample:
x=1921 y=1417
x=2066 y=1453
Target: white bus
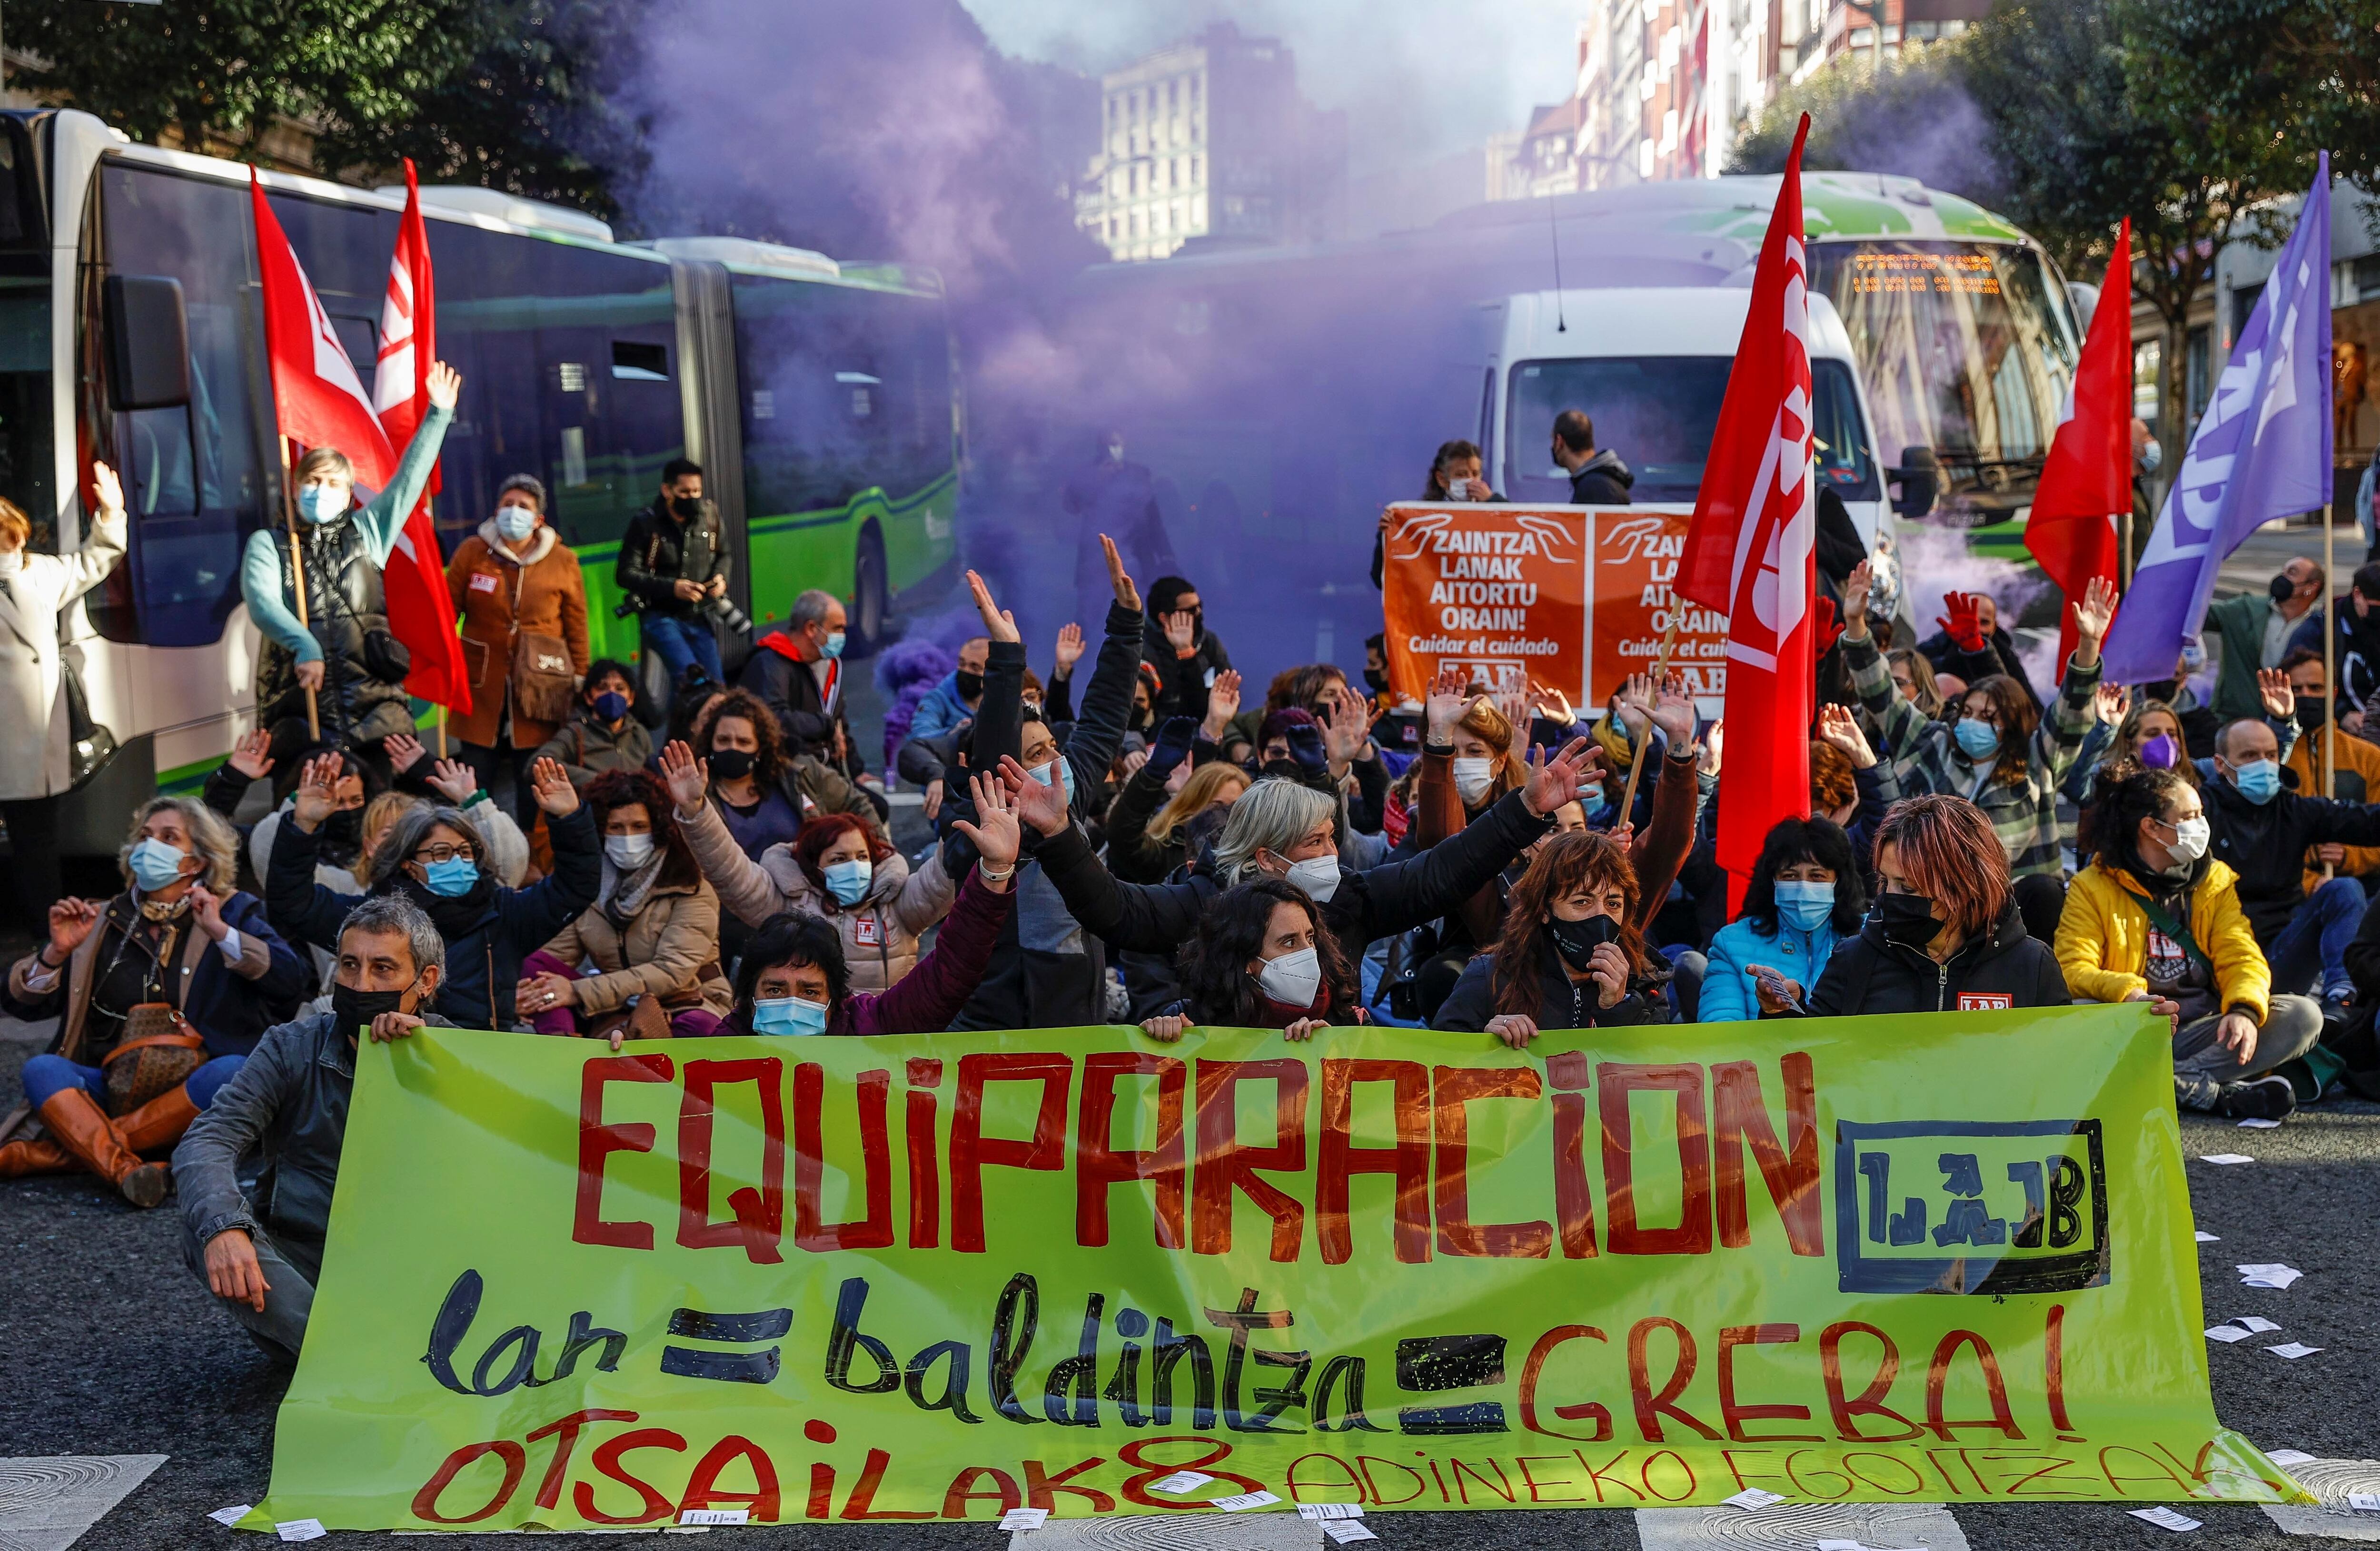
x=822 y=399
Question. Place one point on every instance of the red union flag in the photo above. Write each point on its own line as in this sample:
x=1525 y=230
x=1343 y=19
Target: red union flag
x=1750 y=552
x=2086 y=485
x=318 y=400
x=420 y=609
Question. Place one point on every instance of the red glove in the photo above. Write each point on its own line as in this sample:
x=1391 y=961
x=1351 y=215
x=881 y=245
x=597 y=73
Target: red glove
x=1963 y=624
x=1829 y=628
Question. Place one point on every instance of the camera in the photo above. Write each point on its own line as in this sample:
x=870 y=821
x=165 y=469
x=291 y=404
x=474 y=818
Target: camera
x=724 y=611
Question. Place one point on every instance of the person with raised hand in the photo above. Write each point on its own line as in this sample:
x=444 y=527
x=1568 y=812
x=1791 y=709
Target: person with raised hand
x=795 y=979
x=837 y=867
x=1874 y=787
x=1188 y=654
x=1281 y=829
x=437 y=857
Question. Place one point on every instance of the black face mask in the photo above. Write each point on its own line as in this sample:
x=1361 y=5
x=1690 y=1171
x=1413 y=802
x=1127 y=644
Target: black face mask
x=1907 y=919
x=970 y=686
x=1376 y=680
x=687 y=507
x=352 y=1009
x=1577 y=940
x=731 y=764
x=2163 y=689
x=2282 y=589
x=2313 y=711
x=344 y=825
x=1287 y=769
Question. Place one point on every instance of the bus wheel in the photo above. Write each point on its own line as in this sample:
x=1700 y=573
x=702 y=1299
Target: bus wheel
x=870 y=606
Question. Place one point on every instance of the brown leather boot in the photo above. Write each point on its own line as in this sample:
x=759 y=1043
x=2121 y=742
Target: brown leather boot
x=160 y=1122
x=82 y=1127
x=40 y=1156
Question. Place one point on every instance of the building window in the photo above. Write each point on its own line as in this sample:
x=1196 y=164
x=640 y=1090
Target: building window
x=1919 y=31
x=1195 y=164
x=2201 y=382
x=1953 y=28
x=1861 y=37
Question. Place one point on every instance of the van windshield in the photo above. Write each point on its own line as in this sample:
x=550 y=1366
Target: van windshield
x=1659 y=413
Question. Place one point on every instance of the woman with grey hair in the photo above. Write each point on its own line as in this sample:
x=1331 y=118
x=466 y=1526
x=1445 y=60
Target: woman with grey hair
x=1281 y=829
x=434 y=856
x=159 y=994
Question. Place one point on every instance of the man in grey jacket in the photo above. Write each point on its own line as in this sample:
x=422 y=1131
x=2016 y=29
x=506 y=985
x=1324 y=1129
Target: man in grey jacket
x=261 y=1255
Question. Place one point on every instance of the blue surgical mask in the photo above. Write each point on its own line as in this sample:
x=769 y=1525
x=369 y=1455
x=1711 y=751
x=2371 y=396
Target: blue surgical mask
x=155 y=864
x=788 y=1015
x=516 y=523
x=848 y=881
x=1065 y=774
x=1591 y=798
x=1977 y=740
x=833 y=648
x=451 y=879
x=322 y=503
x=2259 y=781
x=1804 y=905
x=610 y=706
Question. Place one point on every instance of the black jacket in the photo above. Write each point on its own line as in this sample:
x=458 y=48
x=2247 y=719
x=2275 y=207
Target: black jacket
x=483 y=965
x=1391 y=898
x=1183 y=682
x=2265 y=845
x=2009 y=969
x=1562 y=1003
x=1601 y=480
x=790 y=692
x=657 y=551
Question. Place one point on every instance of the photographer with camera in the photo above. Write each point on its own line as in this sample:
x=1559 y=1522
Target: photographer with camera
x=673 y=569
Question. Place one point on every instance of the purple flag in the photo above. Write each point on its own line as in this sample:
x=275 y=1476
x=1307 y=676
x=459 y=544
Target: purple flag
x=2260 y=452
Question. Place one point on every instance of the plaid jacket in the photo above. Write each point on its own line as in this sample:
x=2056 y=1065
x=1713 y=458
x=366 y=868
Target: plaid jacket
x=1926 y=757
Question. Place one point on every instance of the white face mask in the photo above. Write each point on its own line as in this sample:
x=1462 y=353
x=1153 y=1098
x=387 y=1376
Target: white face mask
x=628 y=852
x=514 y=523
x=1472 y=778
x=1318 y=876
x=1294 y=979
x=2190 y=840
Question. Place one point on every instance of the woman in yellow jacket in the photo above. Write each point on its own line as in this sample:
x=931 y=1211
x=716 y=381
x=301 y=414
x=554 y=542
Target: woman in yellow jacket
x=2152 y=919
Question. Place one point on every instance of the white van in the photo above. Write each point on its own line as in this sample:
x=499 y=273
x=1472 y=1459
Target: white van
x=1649 y=366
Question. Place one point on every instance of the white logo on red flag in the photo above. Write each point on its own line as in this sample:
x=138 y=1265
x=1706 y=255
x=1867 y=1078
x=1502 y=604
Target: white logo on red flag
x=1769 y=593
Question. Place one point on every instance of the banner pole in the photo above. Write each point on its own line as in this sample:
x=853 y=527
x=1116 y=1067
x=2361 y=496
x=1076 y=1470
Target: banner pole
x=442 y=731
x=2329 y=665
x=1660 y=676
x=298 y=570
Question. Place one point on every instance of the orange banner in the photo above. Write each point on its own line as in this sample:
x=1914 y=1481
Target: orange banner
x=1503 y=591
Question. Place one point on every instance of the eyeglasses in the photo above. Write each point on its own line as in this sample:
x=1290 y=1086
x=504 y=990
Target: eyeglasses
x=442 y=853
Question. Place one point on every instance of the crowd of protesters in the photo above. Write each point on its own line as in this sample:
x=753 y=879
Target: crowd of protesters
x=1145 y=842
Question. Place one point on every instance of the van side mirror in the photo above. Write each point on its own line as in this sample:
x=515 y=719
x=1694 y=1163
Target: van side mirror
x=1916 y=482
x=147 y=342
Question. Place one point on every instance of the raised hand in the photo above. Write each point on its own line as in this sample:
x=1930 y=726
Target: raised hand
x=1715 y=746
x=1551 y=704
x=1448 y=700
x=1856 y=588
x=549 y=783
x=1837 y=726
x=1513 y=706
x=1181 y=632
x=2273 y=689
x=1305 y=747
x=1962 y=621
x=2113 y=702
x=207 y=907
x=107 y=491
x=71 y=921
x=1044 y=808
x=995 y=834
x=1222 y=703
x=1633 y=704
x=1175 y=736
x=455 y=781
x=315 y=801
x=2092 y=617
x=688 y=781
x=251 y=757
x=1125 y=593
x=1673 y=713
x=1070 y=651
x=445 y=385
x=997 y=622
x=1555 y=781
x=1346 y=727
x=1828 y=629
x=404 y=751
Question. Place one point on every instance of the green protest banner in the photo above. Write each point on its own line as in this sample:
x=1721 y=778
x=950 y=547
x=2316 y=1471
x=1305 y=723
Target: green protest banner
x=1938 y=1258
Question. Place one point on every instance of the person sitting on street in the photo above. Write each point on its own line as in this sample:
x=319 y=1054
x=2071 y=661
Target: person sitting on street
x=1145 y=846
x=794 y=980
x=260 y=1250
x=2355 y=780
x=602 y=733
x=435 y=858
x=1571 y=955
x=2267 y=835
x=1806 y=895
x=837 y=867
x=797 y=672
x=2153 y=918
x=763 y=792
x=159 y=992
x=651 y=935
x=1262 y=959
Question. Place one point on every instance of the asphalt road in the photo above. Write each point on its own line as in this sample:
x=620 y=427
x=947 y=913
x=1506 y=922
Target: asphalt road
x=111 y=1348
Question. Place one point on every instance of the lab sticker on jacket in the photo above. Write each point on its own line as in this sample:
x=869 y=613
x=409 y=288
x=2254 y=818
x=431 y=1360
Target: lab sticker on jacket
x=1986 y=1001
x=863 y=931
x=483 y=581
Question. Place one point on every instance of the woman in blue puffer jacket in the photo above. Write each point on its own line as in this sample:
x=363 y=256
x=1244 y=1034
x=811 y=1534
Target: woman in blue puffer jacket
x=1806 y=896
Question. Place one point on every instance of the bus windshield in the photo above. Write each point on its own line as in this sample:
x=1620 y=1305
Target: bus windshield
x=1659 y=413
x=1963 y=351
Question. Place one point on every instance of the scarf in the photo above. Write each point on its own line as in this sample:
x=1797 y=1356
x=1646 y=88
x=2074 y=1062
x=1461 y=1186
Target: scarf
x=152 y=910
x=457 y=917
x=623 y=894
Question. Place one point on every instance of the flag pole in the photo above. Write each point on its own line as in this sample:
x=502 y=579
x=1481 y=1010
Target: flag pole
x=297 y=571
x=2329 y=665
x=442 y=731
x=1660 y=677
